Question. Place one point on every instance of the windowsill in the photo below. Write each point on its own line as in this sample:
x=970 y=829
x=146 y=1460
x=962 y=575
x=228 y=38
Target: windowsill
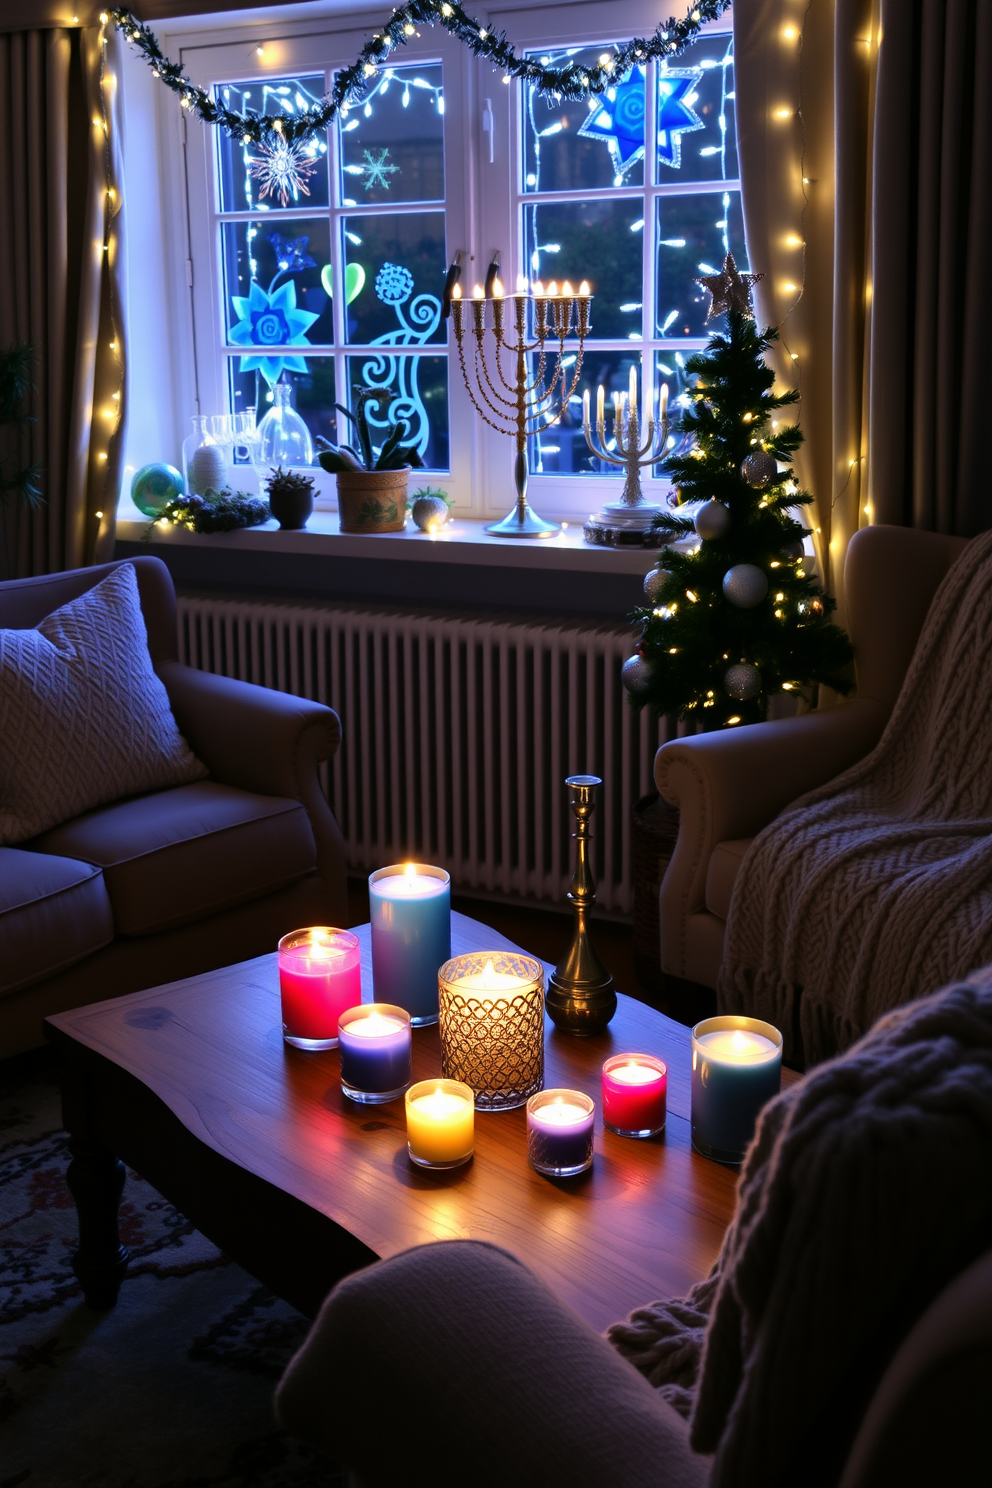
x=461 y=541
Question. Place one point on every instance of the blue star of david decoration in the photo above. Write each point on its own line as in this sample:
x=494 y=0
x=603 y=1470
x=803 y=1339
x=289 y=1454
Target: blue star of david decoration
x=618 y=118
x=675 y=117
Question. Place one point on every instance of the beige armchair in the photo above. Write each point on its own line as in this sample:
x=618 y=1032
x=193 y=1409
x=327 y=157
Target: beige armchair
x=728 y=786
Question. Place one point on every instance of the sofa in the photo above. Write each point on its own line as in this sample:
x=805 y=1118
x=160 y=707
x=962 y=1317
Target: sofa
x=730 y=785
x=175 y=882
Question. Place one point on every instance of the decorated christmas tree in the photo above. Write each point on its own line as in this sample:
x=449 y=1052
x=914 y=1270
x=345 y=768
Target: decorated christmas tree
x=734 y=615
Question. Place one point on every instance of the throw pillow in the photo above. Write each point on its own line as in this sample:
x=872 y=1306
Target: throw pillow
x=83 y=718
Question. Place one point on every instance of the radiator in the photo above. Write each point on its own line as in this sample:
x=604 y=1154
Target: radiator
x=459 y=731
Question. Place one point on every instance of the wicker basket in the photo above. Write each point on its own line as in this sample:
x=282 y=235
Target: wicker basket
x=654 y=829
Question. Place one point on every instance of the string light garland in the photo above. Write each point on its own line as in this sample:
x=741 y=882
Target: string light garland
x=572 y=80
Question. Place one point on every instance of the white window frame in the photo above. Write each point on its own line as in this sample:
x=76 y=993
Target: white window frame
x=483 y=210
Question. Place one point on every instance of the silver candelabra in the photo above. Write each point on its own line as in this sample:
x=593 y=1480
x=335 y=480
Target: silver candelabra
x=534 y=403
x=628 y=522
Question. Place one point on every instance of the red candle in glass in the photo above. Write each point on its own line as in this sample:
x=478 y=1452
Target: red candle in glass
x=635 y=1094
x=320 y=977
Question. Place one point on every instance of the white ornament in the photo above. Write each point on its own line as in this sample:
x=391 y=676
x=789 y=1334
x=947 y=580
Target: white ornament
x=207 y=470
x=636 y=674
x=742 y=681
x=429 y=513
x=654 y=582
x=745 y=585
x=712 y=520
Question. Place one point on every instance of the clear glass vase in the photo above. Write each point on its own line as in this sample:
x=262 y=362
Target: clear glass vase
x=204 y=462
x=283 y=437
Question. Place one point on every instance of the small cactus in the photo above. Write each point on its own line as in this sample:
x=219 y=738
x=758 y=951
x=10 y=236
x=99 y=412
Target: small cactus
x=290 y=497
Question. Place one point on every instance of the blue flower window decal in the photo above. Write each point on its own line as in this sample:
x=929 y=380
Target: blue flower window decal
x=393 y=284
x=270 y=318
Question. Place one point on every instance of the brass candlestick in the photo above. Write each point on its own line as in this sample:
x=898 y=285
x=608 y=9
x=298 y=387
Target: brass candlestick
x=580 y=997
x=532 y=405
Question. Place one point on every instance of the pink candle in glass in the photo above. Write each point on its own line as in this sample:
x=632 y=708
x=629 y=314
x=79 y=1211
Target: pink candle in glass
x=320 y=977
x=635 y=1094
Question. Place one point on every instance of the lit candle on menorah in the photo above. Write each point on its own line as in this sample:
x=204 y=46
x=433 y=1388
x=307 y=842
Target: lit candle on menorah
x=514 y=402
x=628 y=522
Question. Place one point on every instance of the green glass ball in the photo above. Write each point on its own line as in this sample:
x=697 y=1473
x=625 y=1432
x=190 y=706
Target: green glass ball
x=154 y=487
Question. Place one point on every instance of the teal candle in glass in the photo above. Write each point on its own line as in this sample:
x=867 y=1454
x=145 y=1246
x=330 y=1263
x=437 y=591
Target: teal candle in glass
x=410 y=910
x=736 y=1069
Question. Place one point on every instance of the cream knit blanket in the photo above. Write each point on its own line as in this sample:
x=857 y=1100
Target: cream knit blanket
x=865 y=1192
x=877 y=887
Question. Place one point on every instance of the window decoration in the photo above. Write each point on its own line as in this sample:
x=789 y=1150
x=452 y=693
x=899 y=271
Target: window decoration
x=675 y=116
x=400 y=376
x=376 y=170
x=282 y=170
x=568 y=79
x=269 y=318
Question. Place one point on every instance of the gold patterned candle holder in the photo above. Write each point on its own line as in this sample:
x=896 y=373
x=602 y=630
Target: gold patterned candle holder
x=491 y=1017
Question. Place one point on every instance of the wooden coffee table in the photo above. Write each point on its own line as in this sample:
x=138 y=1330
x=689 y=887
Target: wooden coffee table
x=191 y=1085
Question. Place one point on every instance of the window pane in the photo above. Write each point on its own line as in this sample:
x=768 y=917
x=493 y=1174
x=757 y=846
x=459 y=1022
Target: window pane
x=276 y=278
x=392 y=146
x=600 y=241
x=562 y=449
x=694 y=235
x=260 y=177
x=697 y=135
x=569 y=146
x=395 y=267
x=417 y=391
x=313 y=395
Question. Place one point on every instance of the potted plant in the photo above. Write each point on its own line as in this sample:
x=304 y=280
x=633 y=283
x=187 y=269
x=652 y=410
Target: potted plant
x=372 y=485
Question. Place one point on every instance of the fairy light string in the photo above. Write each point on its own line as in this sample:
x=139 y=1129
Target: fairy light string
x=572 y=80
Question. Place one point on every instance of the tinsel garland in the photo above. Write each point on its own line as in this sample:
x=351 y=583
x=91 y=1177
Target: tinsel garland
x=573 y=80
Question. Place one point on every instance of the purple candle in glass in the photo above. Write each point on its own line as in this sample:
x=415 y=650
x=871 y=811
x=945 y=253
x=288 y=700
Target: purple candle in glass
x=559 y=1132
x=375 y=1044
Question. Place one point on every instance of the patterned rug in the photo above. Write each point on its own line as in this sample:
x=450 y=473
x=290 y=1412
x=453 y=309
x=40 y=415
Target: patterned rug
x=173 y=1387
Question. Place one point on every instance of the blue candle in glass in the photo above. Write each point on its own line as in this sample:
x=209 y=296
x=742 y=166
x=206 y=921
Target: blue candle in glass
x=736 y=1069
x=559 y=1132
x=410 y=910
x=375 y=1044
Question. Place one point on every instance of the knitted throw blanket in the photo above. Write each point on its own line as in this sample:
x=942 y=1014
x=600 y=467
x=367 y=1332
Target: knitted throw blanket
x=864 y=1193
x=876 y=888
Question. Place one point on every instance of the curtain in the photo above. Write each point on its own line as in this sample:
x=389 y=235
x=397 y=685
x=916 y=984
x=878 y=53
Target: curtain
x=866 y=168
x=62 y=290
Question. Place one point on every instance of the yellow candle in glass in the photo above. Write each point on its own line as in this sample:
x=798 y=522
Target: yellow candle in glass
x=440 y=1123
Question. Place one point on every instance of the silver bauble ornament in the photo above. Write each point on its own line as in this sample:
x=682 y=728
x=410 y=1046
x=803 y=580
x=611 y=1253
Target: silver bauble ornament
x=207 y=470
x=430 y=512
x=743 y=681
x=654 y=582
x=712 y=520
x=745 y=585
x=636 y=674
x=759 y=467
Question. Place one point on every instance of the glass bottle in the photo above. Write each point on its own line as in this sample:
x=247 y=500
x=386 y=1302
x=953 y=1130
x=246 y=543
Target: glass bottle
x=283 y=437
x=204 y=465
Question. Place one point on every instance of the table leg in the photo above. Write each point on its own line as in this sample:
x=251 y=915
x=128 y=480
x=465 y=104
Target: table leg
x=96 y=1182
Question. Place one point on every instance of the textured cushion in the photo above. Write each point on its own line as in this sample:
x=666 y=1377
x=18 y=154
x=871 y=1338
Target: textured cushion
x=53 y=912
x=83 y=717
x=721 y=874
x=178 y=855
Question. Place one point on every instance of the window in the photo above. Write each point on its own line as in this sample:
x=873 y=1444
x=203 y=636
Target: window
x=323 y=264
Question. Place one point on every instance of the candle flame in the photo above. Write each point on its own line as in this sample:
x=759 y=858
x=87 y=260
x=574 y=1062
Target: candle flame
x=522 y=285
x=489 y=975
x=477 y=293
x=584 y=290
x=538 y=287
x=553 y=287
x=567 y=290
x=497 y=288
x=739 y=1042
x=456 y=291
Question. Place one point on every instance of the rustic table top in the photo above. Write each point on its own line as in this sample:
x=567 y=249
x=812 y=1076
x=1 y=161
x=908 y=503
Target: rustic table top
x=645 y=1222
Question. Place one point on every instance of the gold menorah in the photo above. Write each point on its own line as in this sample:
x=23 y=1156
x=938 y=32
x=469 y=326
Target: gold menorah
x=532 y=405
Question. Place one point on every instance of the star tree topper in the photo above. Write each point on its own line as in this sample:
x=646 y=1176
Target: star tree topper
x=730 y=290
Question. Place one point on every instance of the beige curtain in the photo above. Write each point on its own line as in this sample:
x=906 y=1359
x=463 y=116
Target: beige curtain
x=61 y=289
x=866 y=165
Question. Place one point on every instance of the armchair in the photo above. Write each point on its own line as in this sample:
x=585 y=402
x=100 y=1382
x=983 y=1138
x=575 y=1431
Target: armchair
x=174 y=882
x=728 y=786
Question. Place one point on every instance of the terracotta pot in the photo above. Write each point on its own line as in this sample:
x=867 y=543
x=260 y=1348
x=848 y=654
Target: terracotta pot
x=372 y=500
